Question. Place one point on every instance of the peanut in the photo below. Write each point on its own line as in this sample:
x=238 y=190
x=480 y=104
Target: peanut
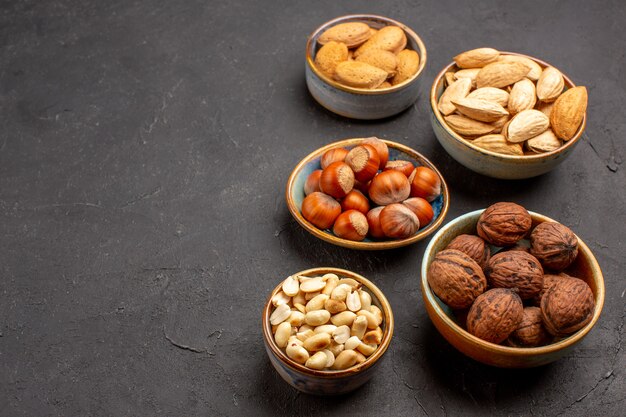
x=317 y=317
x=353 y=301
x=282 y=334
x=359 y=327
x=316 y=303
x=344 y=360
x=317 y=361
x=297 y=353
x=317 y=342
x=344 y=318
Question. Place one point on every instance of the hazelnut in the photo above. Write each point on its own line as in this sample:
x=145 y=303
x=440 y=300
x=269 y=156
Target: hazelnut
x=473 y=246
x=422 y=209
x=530 y=332
x=381 y=149
x=373 y=221
x=389 y=187
x=320 y=209
x=333 y=155
x=567 y=306
x=456 y=278
x=337 y=180
x=555 y=245
x=364 y=161
x=515 y=269
x=495 y=315
x=351 y=225
x=503 y=224
x=397 y=221
x=425 y=183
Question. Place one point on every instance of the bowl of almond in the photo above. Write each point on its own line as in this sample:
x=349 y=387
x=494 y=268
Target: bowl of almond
x=364 y=66
x=506 y=115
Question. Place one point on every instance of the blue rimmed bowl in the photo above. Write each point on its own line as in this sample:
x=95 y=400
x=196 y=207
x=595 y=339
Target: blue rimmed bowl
x=294 y=195
x=361 y=103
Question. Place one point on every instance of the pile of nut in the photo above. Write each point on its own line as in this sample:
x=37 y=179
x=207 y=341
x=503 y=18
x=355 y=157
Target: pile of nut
x=359 y=192
x=519 y=295
x=326 y=322
x=357 y=55
x=509 y=104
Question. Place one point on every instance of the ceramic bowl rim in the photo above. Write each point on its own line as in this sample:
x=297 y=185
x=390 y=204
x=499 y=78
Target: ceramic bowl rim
x=369 y=362
x=365 y=91
x=596 y=277
x=377 y=245
x=434 y=100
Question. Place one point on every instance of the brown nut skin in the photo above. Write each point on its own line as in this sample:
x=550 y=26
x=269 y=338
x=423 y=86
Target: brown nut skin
x=495 y=315
x=531 y=331
x=456 y=278
x=567 y=306
x=555 y=245
x=516 y=269
x=474 y=246
x=503 y=224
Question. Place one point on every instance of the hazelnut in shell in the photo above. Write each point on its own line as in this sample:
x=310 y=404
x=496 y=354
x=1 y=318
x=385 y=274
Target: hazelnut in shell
x=567 y=306
x=398 y=222
x=405 y=167
x=337 y=180
x=503 y=224
x=475 y=247
x=515 y=269
x=495 y=315
x=530 y=332
x=425 y=183
x=355 y=200
x=320 y=209
x=312 y=183
x=351 y=225
x=333 y=155
x=422 y=209
x=364 y=161
x=456 y=278
x=381 y=149
x=555 y=245
x=389 y=187
x=373 y=220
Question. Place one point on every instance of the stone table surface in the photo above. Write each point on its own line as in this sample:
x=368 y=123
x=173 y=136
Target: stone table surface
x=144 y=150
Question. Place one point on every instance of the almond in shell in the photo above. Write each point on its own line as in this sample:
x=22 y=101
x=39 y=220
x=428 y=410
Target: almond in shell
x=535 y=69
x=527 y=124
x=498 y=144
x=458 y=89
x=568 y=112
x=352 y=34
x=476 y=58
x=329 y=56
x=522 y=96
x=389 y=38
x=501 y=74
x=545 y=142
x=468 y=127
x=379 y=58
x=545 y=108
x=408 y=64
x=449 y=77
x=482 y=110
x=550 y=84
x=359 y=74
x=497 y=95
x=468 y=73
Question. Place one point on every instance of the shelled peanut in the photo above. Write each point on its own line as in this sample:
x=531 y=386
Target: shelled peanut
x=509 y=104
x=357 y=55
x=326 y=322
x=359 y=192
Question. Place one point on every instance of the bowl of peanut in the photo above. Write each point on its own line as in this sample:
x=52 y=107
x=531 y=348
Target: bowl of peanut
x=364 y=66
x=326 y=330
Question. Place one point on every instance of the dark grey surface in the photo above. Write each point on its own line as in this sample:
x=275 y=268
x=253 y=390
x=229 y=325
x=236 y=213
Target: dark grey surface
x=144 y=149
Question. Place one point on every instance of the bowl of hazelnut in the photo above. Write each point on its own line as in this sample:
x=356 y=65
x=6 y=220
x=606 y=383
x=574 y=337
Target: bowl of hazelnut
x=506 y=115
x=367 y=193
x=511 y=288
x=364 y=66
x=326 y=330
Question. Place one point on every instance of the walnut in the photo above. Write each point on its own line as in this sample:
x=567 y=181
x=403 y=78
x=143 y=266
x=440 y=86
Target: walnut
x=503 y=224
x=567 y=306
x=548 y=281
x=475 y=247
x=530 y=332
x=456 y=278
x=522 y=245
x=555 y=245
x=516 y=269
x=495 y=315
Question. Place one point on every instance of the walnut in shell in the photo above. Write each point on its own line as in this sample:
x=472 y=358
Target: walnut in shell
x=456 y=278
x=516 y=269
x=473 y=246
x=530 y=332
x=503 y=224
x=495 y=315
x=548 y=281
x=567 y=306
x=555 y=245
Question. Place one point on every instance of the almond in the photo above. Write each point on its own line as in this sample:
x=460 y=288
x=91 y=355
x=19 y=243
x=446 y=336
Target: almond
x=329 y=56
x=386 y=84
x=359 y=74
x=352 y=34
x=499 y=124
x=544 y=142
x=466 y=126
x=458 y=89
x=545 y=108
x=568 y=112
x=476 y=58
x=527 y=124
x=379 y=58
x=408 y=64
x=501 y=74
x=522 y=96
x=468 y=73
x=449 y=77
x=535 y=69
x=482 y=110
x=389 y=38
x=498 y=144
x=550 y=84
x=497 y=95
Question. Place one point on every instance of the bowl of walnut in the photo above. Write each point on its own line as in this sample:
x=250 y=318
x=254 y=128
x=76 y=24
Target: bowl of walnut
x=506 y=115
x=511 y=288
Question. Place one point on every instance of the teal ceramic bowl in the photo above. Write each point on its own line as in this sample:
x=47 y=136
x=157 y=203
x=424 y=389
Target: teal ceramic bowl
x=490 y=163
x=443 y=317
x=315 y=382
x=360 y=103
x=294 y=195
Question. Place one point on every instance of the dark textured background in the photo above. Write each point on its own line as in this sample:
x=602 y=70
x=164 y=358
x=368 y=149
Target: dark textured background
x=144 y=149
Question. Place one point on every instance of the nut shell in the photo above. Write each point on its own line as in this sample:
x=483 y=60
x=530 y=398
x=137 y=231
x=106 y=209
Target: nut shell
x=567 y=306
x=531 y=331
x=555 y=245
x=516 y=269
x=456 y=278
x=473 y=246
x=503 y=224
x=495 y=315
